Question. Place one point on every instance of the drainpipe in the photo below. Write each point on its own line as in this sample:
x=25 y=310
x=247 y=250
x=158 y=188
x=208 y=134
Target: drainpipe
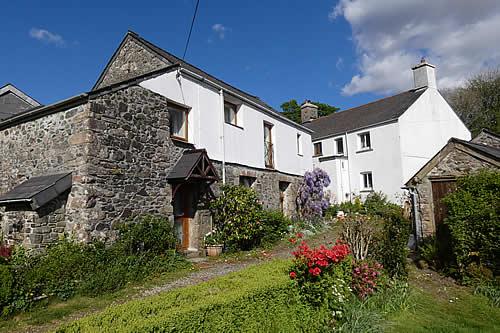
x=348 y=167
x=417 y=230
x=221 y=99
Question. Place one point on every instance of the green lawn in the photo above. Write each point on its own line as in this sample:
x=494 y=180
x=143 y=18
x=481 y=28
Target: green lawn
x=441 y=306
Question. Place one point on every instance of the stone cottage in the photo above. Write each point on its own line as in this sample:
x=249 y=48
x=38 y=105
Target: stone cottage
x=154 y=135
x=438 y=177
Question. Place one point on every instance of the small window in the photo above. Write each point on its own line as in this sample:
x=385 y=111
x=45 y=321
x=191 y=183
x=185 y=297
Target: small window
x=299 y=144
x=268 y=146
x=339 y=143
x=247 y=181
x=365 y=141
x=318 y=149
x=230 y=113
x=367 y=181
x=178 y=122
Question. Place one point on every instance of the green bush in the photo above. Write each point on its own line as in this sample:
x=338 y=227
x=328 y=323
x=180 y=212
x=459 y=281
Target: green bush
x=257 y=299
x=275 y=226
x=6 y=282
x=474 y=222
x=67 y=268
x=242 y=222
x=393 y=245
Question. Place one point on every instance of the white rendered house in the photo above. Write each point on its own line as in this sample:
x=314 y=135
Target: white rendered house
x=380 y=145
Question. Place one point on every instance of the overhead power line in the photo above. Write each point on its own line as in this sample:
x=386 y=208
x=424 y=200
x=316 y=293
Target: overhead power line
x=191 y=29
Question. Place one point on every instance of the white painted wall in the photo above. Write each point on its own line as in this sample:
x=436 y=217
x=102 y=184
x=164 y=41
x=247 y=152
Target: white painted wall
x=243 y=145
x=425 y=128
x=383 y=160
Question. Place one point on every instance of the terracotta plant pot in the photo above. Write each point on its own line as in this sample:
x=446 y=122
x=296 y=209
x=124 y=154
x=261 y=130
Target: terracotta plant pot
x=214 y=250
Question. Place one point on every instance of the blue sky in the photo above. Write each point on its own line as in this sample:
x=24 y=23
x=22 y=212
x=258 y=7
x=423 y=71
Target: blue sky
x=344 y=53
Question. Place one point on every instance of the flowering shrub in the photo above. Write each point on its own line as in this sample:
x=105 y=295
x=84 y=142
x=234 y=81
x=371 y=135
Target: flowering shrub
x=311 y=196
x=322 y=275
x=5 y=252
x=366 y=276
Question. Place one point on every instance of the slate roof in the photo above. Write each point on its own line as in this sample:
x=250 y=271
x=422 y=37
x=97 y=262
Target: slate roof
x=38 y=191
x=480 y=148
x=382 y=110
x=13 y=102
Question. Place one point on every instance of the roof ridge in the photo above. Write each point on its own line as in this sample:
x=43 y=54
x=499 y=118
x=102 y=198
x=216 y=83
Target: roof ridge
x=367 y=104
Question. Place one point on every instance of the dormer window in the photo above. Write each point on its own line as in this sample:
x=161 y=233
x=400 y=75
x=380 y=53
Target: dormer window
x=178 y=122
x=365 y=141
x=231 y=113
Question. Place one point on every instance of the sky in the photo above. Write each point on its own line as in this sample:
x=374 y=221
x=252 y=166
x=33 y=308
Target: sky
x=344 y=53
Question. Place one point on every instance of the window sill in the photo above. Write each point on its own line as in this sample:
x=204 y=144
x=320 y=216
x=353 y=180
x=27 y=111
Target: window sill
x=179 y=139
x=318 y=155
x=301 y=155
x=239 y=127
x=366 y=190
x=364 y=150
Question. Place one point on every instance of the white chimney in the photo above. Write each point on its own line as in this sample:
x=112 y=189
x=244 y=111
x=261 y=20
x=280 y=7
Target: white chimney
x=424 y=75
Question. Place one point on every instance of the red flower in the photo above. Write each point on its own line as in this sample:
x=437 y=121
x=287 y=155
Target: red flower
x=292 y=240
x=315 y=271
x=293 y=275
x=299 y=235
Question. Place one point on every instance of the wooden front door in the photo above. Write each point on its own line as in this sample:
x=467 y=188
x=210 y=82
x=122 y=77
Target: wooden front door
x=184 y=214
x=439 y=190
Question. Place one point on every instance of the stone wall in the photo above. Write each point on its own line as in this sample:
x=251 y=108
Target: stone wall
x=131 y=60
x=457 y=163
x=130 y=157
x=53 y=144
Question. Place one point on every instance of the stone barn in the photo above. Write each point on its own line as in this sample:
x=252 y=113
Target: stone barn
x=438 y=177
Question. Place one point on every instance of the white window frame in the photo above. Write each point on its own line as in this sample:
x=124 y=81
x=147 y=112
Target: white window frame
x=363 y=143
x=299 y=144
x=185 y=113
x=320 y=144
x=234 y=108
x=342 y=153
x=367 y=179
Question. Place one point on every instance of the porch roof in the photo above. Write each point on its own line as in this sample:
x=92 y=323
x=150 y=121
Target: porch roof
x=193 y=165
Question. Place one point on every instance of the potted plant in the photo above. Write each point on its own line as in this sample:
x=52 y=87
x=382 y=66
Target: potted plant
x=213 y=243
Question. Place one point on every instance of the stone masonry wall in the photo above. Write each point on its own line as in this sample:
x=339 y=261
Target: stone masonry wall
x=457 y=163
x=132 y=60
x=130 y=157
x=266 y=185
x=53 y=144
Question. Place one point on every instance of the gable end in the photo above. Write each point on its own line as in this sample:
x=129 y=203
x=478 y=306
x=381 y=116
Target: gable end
x=131 y=59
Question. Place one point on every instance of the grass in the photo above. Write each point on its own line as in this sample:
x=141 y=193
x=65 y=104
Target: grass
x=48 y=317
x=441 y=306
x=257 y=299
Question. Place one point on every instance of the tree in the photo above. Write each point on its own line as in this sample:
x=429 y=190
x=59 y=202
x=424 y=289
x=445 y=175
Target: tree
x=477 y=102
x=291 y=110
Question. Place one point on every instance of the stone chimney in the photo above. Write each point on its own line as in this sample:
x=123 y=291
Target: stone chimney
x=424 y=75
x=308 y=112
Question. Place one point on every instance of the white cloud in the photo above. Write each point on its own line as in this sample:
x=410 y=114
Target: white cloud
x=458 y=36
x=340 y=63
x=47 y=36
x=220 y=30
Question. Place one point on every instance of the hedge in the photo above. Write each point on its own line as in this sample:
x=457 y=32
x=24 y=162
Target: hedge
x=257 y=299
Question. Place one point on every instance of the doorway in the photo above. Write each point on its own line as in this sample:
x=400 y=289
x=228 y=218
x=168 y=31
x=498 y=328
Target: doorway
x=185 y=202
x=440 y=189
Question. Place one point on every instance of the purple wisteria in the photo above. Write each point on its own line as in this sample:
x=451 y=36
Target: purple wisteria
x=311 y=197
